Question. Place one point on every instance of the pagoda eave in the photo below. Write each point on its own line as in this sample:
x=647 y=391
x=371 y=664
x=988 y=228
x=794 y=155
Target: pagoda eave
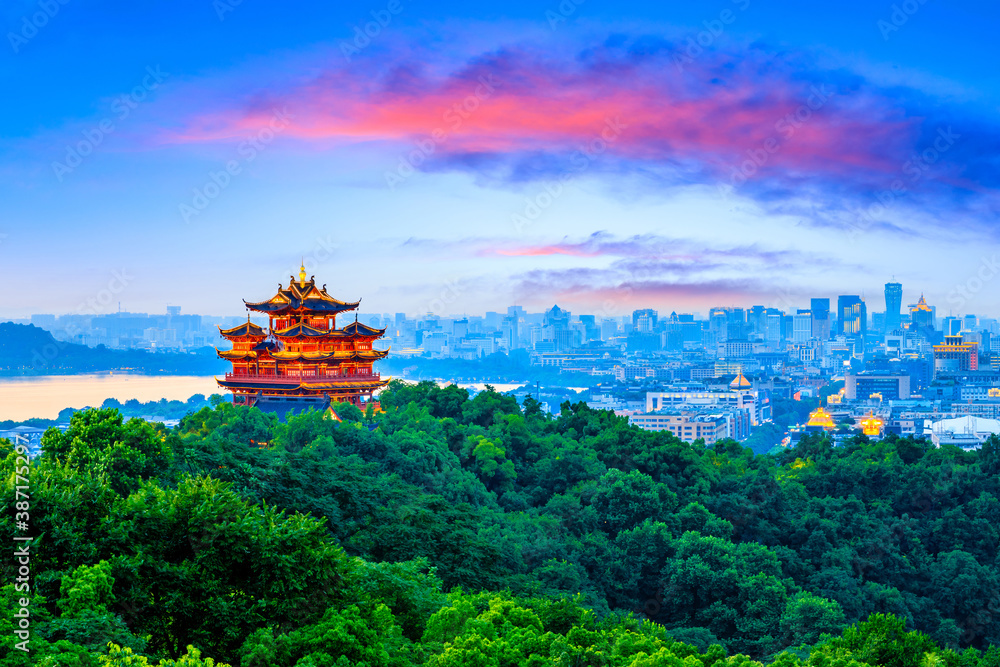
x=233 y=355
x=301 y=309
x=334 y=387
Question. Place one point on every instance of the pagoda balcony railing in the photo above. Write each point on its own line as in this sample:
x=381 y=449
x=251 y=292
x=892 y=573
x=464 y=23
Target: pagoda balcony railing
x=295 y=377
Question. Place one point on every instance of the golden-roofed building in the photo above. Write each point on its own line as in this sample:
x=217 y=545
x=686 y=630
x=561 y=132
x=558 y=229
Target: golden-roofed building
x=820 y=418
x=740 y=382
x=871 y=425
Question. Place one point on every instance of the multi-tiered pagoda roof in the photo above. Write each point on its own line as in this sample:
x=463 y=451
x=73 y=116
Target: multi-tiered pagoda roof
x=301 y=297
x=302 y=355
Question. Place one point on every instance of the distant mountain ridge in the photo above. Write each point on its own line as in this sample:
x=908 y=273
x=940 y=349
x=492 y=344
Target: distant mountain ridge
x=29 y=350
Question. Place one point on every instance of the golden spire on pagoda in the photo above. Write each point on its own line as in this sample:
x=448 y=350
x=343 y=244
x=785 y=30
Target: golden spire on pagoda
x=302 y=272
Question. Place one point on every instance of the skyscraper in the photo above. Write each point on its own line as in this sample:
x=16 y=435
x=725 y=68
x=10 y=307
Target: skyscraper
x=921 y=315
x=852 y=315
x=644 y=320
x=893 y=303
x=802 y=326
x=757 y=319
x=820 y=309
x=718 y=324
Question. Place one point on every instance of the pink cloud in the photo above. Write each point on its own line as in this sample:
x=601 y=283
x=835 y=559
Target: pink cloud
x=716 y=115
x=542 y=251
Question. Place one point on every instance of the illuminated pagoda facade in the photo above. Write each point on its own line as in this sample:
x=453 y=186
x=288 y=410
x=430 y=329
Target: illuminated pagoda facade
x=872 y=425
x=820 y=420
x=302 y=359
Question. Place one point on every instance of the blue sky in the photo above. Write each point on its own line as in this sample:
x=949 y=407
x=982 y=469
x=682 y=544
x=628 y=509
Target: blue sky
x=604 y=156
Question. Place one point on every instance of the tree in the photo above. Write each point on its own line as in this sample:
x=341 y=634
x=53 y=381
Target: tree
x=99 y=442
x=119 y=656
x=881 y=640
x=491 y=463
x=989 y=455
x=87 y=588
x=807 y=617
x=207 y=568
x=623 y=500
x=342 y=637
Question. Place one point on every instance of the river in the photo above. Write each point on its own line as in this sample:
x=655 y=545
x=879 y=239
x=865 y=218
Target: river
x=44 y=396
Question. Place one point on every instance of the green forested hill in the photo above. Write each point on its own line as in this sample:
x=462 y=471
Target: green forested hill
x=450 y=531
x=29 y=350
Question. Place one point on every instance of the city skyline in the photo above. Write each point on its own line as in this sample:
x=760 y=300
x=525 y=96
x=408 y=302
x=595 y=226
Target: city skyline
x=439 y=308
x=580 y=154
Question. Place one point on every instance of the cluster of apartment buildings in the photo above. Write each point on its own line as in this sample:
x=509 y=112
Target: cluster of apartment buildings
x=171 y=331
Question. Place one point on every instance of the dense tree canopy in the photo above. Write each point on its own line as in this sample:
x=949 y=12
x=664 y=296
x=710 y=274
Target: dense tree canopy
x=450 y=530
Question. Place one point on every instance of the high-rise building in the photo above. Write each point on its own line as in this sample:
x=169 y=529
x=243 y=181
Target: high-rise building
x=591 y=330
x=644 y=320
x=773 y=328
x=787 y=326
x=893 y=304
x=852 y=316
x=609 y=328
x=556 y=329
x=757 y=318
x=955 y=356
x=736 y=323
x=718 y=324
x=921 y=315
x=802 y=326
x=511 y=338
x=820 y=309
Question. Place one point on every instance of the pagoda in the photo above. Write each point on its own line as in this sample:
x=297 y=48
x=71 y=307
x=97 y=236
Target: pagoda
x=871 y=425
x=302 y=359
x=820 y=419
